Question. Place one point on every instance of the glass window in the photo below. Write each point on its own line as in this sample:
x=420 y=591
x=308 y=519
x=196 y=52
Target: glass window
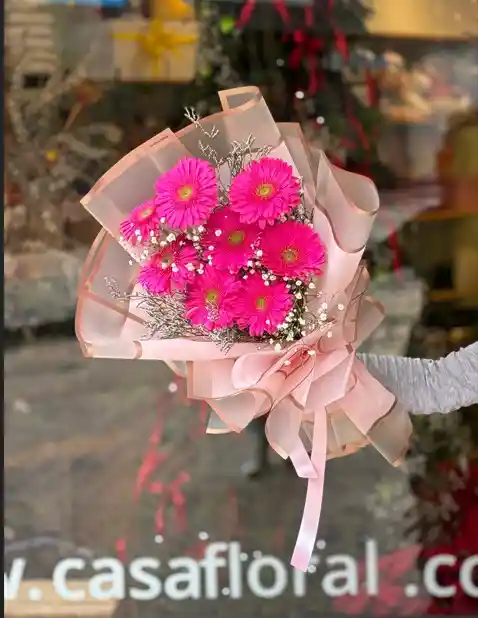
x=117 y=501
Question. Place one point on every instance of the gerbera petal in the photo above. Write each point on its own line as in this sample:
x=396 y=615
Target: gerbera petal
x=263 y=191
x=262 y=308
x=170 y=268
x=141 y=223
x=229 y=243
x=212 y=299
x=187 y=194
x=292 y=249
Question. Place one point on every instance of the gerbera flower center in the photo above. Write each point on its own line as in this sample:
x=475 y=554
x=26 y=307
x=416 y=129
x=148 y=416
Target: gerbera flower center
x=212 y=296
x=261 y=303
x=165 y=260
x=290 y=255
x=265 y=190
x=145 y=213
x=237 y=237
x=185 y=193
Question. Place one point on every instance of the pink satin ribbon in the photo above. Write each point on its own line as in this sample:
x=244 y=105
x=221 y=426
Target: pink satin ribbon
x=296 y=386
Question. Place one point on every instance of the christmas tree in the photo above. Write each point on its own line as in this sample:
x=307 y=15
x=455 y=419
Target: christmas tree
x=304 y=60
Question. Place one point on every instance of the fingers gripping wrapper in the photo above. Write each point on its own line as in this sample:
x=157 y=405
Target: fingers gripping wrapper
x=233 y=253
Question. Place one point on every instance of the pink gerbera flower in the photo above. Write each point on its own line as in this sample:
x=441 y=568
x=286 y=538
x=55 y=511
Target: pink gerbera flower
x=171 y=268
x=260 y=307
x=211 y=299
x=263 y=191
x=292 y=249
x=139 y=224
x=229 y=242
x=186 y=194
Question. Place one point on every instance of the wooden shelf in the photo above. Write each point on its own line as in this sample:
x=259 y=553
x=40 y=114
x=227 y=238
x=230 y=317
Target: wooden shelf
x=435 y=20
x=453 y=296
x=443 y=296
x=443 y=213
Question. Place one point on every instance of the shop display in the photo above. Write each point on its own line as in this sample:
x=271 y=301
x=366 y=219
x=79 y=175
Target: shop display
x=420 y=93
x=419 y=100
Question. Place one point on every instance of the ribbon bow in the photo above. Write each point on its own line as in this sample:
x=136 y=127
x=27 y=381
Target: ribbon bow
x=300 y=388
x=156 y=40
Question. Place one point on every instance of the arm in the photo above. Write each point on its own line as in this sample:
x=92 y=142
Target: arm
x=427 y=386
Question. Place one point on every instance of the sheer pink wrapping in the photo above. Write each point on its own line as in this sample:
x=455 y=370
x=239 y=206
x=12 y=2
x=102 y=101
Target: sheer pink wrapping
x=320 y=400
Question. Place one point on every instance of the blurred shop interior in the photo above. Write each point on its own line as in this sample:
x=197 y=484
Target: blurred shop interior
x=388 y=89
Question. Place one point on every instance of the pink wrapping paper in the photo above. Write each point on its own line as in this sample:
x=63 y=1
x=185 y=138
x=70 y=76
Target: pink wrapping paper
x=320 y=400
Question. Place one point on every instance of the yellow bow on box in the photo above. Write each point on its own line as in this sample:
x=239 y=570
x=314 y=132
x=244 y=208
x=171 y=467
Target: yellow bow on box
x=156 y=40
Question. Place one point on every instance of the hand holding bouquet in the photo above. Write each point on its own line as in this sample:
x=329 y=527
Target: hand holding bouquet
x=237 y=261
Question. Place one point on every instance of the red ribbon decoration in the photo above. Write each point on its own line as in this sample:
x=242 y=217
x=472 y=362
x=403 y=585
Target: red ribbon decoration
x=248 y=9
x=342 y=47
x=306 y=47
x=340 y=38
x=246 y=13
x=394 y=244
x=372 y=94
x=308 y=16
x=281 y=7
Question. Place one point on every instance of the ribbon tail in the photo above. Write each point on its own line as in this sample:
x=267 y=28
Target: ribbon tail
x=301 y=461
x=309 y=525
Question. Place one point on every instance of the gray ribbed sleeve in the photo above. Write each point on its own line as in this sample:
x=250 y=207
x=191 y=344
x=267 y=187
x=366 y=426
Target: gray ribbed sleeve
x=427 y=386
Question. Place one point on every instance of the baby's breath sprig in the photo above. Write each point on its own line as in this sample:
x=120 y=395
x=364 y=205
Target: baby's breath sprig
x=206 y=149
x=191 y=114
x=237 y=157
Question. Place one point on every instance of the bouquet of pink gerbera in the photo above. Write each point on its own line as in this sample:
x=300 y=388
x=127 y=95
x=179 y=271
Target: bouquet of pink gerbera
x=237 y=261
x=240 y=258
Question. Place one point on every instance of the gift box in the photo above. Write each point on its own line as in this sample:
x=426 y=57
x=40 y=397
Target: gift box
x=146 y=50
